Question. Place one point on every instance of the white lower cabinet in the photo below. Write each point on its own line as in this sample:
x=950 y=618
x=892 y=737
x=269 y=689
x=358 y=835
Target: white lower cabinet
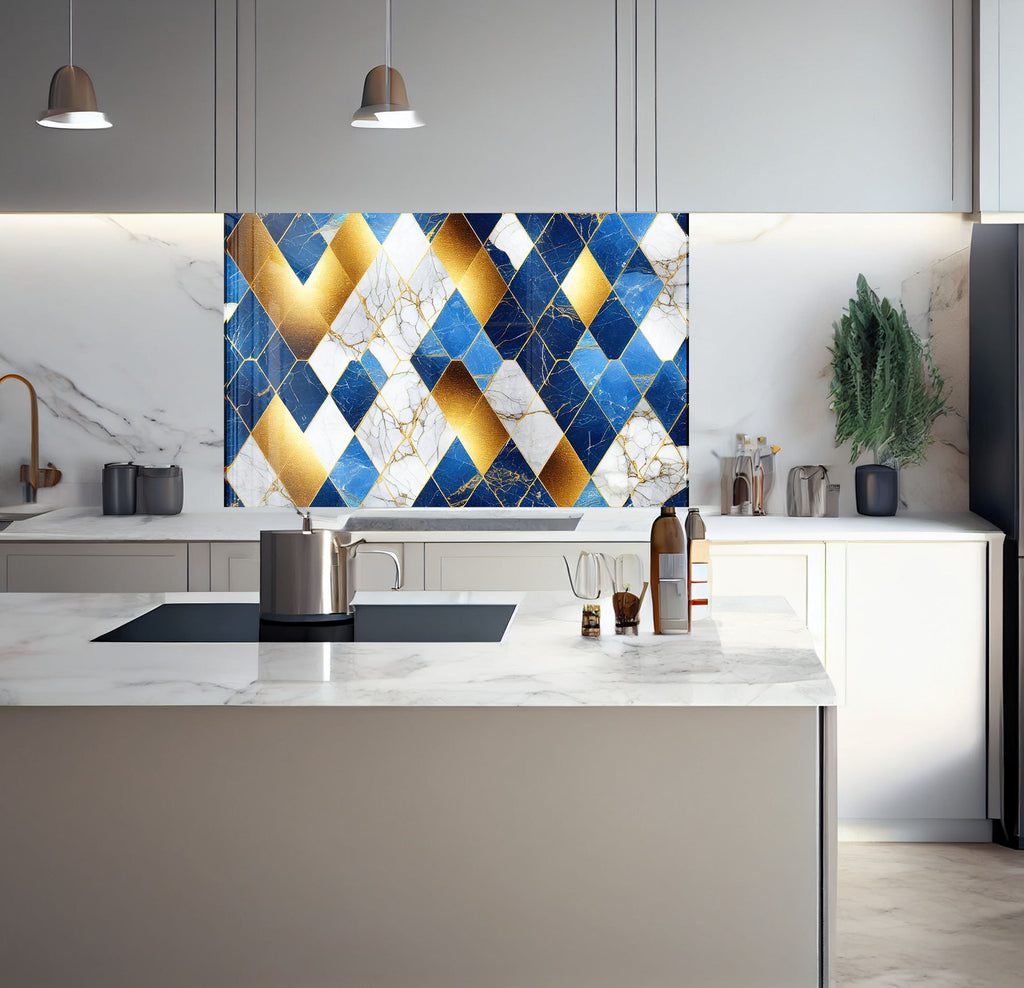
x=94 y=567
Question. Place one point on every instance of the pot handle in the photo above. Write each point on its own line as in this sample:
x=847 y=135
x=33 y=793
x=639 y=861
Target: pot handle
x=351 y=546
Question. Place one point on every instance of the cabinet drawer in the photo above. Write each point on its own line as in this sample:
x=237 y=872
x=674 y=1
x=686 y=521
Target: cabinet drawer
x=96 y=568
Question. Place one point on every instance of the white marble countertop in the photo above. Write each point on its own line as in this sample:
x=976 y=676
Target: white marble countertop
x=753 y=652
x=596 y=525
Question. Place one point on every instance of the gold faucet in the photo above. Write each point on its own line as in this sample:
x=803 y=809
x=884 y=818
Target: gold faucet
x=29 y=475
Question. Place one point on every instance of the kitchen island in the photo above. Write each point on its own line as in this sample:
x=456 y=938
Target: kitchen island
x=544 y=810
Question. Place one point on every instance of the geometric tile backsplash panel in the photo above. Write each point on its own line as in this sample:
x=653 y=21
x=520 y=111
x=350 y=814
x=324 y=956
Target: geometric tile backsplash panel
x=450 y=359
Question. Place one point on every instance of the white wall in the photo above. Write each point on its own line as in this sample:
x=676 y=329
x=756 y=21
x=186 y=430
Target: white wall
x=117 y=320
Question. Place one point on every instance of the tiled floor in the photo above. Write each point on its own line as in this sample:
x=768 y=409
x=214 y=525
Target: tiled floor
x=940 y=915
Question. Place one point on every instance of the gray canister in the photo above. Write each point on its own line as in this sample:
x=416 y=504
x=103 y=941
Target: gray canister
x=119 y=488
x=161 y=490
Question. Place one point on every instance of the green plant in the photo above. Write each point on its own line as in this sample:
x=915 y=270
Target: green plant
x=886 y=390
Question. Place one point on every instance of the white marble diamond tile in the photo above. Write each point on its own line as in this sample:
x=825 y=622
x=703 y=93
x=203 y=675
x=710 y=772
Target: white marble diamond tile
x=666 y=246
x=329 y=360
x=330 y=229
x=633 y=459
x=677 y=290
x=384 y=353
x=379 y=289
x=250 y=475
x=406 y=245
x=537 y=434
x=664 y=475
x=380 y=433
x=229 y=310
x=510 y=394
x=328 y=433
x=614 y=476
x=352 y=327
x=510 y=236
x=418 y=415
x=406 y=326
x=400 y=481
x=431 y=286
x=664 y=327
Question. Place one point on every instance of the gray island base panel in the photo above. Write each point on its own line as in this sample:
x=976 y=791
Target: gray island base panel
x=585 y=841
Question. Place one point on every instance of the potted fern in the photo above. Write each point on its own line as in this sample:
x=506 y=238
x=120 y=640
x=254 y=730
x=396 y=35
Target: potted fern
x=886 y=393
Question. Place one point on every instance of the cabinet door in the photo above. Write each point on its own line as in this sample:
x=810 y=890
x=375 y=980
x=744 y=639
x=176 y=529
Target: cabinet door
x=154 y=567
x=800 y=105
x=235 y=566
x=153 y=69
x=912 y=732
x=513 y=565
x=1001 y=105
x=518 y=101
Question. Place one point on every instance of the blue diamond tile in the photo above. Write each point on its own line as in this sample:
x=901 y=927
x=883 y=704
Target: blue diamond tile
x=430 y=223
x=508 y=327
x=328 y=496
x=590 y=434
x=302 y=393
x=560 y=326
x=430 y=360
x=680 y=431
x=482 y=224
x=230 y=222
x=323 y=219
x=231 y=499
x=682 y=359
x=641 y=362
x=590 y=498
x=456 y=475
x=509 y=477
x=501 y=261
x=537 y=497
x=250 y=392
x=303 y=246
x=381 y=224
x=456 y=327
x=560 y=244
x=235 y=433
x=638 y=286
x=354 y=473
x=277 y=223
x=533 y=286
x=681 y=499
x=585 y=223
x=589 y=361
x=482 y=360
x=482 y=497
x=232 y=360
x=638 y=223
x=234 y=281
x=612 y=246
x=563 y=393
x=616 y=394
x=668 y=394
x=683 y=219
x=535 y=361
x=276 y=360
x=533 y=223
x=372 y=366
x=250 y=328
x=354 y=394
x=431 y=496
x=613 y=327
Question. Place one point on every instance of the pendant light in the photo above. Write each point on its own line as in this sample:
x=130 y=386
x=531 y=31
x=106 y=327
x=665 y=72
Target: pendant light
x=72 y=104
x=385 y=103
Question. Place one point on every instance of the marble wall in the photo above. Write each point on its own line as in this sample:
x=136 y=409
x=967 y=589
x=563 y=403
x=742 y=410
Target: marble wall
x=118 y=320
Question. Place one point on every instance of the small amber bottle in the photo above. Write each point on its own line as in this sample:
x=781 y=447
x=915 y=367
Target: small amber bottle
x=668 y=573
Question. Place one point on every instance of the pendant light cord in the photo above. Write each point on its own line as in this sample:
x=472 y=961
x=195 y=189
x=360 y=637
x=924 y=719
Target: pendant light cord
x=71 y=32
x=387 y=53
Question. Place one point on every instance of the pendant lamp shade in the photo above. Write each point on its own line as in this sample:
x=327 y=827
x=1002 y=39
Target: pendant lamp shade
x=384 y=108
x=72 y=104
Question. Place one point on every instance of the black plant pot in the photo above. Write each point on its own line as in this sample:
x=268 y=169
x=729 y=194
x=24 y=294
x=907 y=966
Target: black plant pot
x=878 y=489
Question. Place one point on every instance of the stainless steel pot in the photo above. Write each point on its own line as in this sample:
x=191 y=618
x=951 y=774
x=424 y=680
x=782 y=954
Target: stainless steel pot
x=306 y=573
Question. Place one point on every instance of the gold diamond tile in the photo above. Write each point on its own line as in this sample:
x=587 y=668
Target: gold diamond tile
x=457 y=394
x=456 y=245
x=586 y=287
x=564 y=475
x=289 y=453
x=329 y=286
x=250 y=245
x=276 y=285
x=482 y=286
x=483 y=435
x=304 y=327
x=355 y=246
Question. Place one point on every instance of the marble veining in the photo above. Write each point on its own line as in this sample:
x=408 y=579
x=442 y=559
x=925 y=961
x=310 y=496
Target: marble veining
x=751 y=653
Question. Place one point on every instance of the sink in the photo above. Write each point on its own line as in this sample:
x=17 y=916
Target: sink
x=19 y=512
x=240 y=622
x=461 y=520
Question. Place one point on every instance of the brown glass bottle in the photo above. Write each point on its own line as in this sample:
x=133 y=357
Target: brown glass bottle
x=668 y=573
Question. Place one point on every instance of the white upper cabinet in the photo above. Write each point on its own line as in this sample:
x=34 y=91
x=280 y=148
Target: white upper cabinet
x=800 y=105
x=518 y=101
x=152 y=66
